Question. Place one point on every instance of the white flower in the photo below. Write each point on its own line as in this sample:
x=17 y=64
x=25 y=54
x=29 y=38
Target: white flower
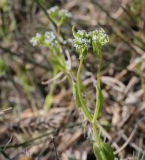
x=34 y=41
x=65 y=13
x=81 y=43
x=50 y=38
x=81 y=32
x=52 y=9
x=94 y=38
x=38 y=35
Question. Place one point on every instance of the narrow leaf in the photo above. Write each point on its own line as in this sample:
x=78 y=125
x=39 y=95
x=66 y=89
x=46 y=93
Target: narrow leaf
x=76 y=95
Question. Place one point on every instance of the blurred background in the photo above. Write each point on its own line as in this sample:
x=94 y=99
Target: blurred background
x=26 y=129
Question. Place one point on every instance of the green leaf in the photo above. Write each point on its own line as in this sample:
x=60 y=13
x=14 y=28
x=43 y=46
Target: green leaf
x=74 y=32
x=57 y=63
x=76 y=95
x=108 y=152
x=48 y=102
x=103 y=152
x=97 y=151
x=99 y=103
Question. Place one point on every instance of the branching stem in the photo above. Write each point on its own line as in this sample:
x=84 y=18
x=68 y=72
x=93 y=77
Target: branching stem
x=84 y=107
x=97 y=86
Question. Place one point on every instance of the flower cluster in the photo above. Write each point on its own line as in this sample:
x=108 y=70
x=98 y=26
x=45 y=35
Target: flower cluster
x=99 y=36
x=58 y=15
x=95 y=40
x=50 y=39
x=81 y=41
x=53 y=10
x=35 y=40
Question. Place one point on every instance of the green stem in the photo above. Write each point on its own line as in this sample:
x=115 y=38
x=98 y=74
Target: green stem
x=96 y=134
x=98 y=75
x=84 y=107
x=95 y=131
x=97 y=86
x=58 y=31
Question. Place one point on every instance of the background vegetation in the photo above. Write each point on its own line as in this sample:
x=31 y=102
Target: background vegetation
x=26 y=129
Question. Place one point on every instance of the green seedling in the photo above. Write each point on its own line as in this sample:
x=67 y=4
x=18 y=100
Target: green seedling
x=50 y=40
x=83 y=42
x=53 y=41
